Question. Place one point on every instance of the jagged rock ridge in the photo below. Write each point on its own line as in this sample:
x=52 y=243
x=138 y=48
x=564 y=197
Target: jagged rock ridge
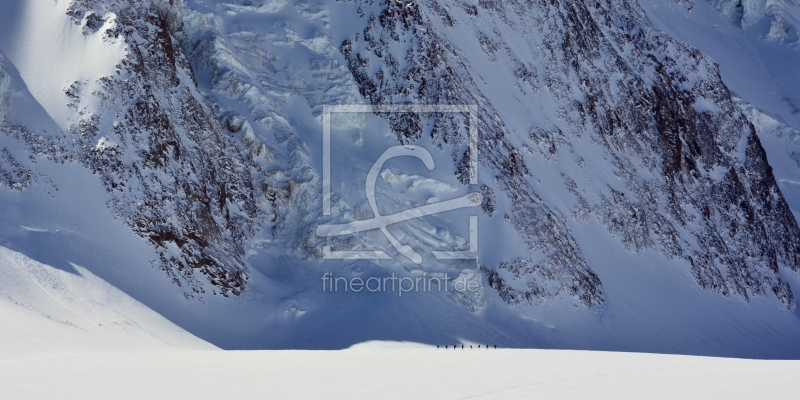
x=691 y=177
x=174 y=173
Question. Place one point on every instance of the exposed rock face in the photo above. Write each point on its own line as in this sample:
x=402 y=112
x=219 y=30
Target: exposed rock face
x=174 y=174
x=690 y=177
x=5 y=91
x=432 y=73
x=12 y=174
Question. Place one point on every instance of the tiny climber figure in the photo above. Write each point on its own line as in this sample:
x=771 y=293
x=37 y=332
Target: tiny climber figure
x=437 y=347
x=462 y=347
x=445 y=346
x=470 y=347
x=479 y=347
x=495 y=347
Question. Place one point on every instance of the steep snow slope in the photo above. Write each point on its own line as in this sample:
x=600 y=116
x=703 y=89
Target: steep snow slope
x=54 y=54
x=760 y=69
x=47 y=311
x=629 y=205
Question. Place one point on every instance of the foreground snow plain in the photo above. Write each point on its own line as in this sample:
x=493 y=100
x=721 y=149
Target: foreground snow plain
x=73 y=336
x=403 y=372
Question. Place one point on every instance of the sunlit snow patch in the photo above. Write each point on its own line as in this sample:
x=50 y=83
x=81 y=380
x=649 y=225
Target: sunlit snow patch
x=54 y=55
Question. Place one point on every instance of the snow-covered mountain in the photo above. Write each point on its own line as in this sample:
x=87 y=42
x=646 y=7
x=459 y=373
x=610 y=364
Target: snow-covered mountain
x=780 y=15
x=175 y=150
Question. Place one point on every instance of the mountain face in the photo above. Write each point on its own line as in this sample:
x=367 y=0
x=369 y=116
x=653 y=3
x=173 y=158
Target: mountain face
x=174 y=175
x=202 y=130
x=690 y=178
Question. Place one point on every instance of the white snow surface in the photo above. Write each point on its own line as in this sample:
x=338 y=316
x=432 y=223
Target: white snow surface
x=399 y=373
x=760 y=70
x=52 y=53
x=47 y=311
x=72 y=335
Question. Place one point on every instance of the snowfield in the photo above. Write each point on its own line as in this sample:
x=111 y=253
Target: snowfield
x=73 y=336
x=400 y=373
